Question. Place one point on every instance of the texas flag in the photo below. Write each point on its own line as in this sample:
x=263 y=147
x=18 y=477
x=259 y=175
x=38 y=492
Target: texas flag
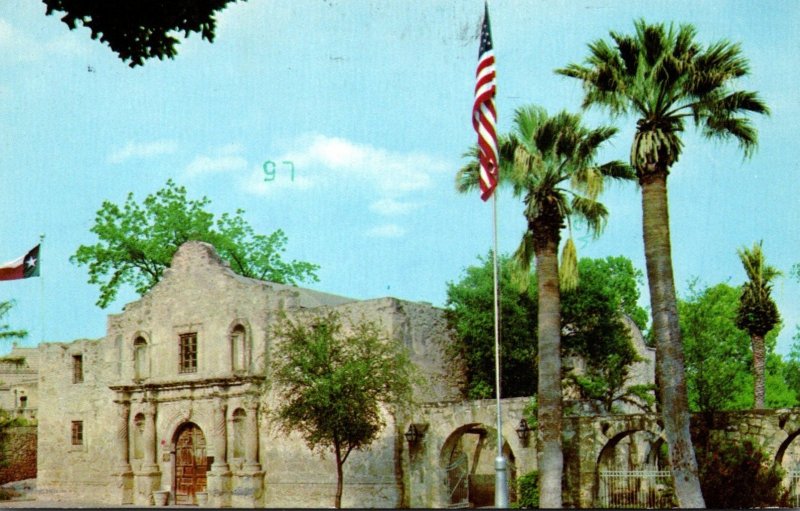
x=22 y=267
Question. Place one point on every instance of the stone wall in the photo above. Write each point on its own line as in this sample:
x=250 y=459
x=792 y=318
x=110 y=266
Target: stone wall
x=18 y=456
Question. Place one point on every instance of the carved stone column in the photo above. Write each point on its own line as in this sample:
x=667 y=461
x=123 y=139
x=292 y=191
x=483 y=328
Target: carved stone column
x=249 y=483
x=124 y=476
x=148 y=479
x=219 y=477
x=149 y=438
x=220 y=437
x=251 y=437
x=123 y=438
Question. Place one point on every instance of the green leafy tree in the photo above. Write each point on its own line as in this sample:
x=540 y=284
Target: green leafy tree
x=549 y=162
x=6 y=333
x=661 y=76
x=593 y=329
x=716 y=352
x=470 y=313
x=757 y=313
x=137 y=242
x=591 y=322
x=332 y=382
x=137 y=30
x=719 y=360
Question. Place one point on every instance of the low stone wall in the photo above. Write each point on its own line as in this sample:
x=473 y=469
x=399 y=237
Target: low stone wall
x=18 y=455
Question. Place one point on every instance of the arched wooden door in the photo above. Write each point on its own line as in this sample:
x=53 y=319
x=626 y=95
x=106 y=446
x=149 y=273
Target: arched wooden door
x=191 y=463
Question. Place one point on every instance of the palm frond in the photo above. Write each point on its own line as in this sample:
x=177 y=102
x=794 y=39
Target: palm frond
x=521 y=262
x=568 y=272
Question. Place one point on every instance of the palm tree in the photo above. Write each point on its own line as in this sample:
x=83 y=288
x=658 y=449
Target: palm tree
x=663 y=77
x=757 y=313
x=550 y=163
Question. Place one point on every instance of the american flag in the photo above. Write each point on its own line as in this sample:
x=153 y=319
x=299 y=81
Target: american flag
x=484 y=117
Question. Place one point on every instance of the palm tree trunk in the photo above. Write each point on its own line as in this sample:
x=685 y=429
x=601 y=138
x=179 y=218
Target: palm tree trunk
x=551 y=458
x=759 y=360
x=669 y=347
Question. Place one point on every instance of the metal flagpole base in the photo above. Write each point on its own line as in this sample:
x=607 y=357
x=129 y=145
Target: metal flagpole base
x=500 y=483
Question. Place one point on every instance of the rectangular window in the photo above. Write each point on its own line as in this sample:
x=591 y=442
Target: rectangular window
x=77 y=369
x=77 y=432
x=188 y=353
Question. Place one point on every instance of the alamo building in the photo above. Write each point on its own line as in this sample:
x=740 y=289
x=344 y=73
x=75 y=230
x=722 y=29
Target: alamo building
x=172 y=402
x=172 y=406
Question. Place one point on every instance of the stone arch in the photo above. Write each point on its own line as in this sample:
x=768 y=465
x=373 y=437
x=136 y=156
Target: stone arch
x=137 y=437
x=238 y=418
x=191 y=462
x=141 y=356
x=793 y=451
x=467 y=462
x=631 y=450
x=240 y=345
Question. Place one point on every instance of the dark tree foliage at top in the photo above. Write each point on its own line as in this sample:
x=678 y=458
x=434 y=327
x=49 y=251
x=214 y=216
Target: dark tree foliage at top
x=138 y=30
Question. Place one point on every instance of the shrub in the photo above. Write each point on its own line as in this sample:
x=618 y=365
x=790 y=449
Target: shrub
x=528 y=490
x=739 y=475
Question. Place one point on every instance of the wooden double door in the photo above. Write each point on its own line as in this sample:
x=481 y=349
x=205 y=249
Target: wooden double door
x=191 y=464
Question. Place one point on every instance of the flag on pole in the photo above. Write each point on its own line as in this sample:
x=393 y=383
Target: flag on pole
x=21 y=267
x=484 y=118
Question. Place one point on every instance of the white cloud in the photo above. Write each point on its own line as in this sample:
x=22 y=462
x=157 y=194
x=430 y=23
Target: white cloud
x=23 y=47
x=224 y=159
x=141 y=150
x=392 y=207
x=255 y=183
x=386 y=231
x=390 y=173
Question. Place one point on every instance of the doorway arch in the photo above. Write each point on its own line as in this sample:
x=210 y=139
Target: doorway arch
x=467 y=461
x=191 y=463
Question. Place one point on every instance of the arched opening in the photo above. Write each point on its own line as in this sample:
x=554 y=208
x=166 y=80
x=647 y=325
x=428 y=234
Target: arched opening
x=240 y=352
x=141 y=366
x=467 y=459
x=191 y=463
x=788 y=457
x=137 y=437
x=633 y=471
x=239 y=417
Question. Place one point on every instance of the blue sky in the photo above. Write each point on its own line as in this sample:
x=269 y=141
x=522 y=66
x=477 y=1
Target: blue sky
x=370 y=100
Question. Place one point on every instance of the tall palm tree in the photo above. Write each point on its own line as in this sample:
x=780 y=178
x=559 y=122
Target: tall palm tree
x=757 y=313
x=662 y=76
x=550 y=163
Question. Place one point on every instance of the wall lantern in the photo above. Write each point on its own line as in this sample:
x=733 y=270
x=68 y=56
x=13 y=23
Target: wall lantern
x=523 y=431
x=413 y=434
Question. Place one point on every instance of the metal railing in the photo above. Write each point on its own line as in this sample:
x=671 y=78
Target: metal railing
x=647 y=487
x=794 y=487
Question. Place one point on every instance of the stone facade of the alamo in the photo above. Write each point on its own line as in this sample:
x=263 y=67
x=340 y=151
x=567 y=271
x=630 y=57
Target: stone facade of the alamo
x=171 y=399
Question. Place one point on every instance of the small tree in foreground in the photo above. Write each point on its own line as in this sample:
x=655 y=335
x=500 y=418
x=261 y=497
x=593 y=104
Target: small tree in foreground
x=331 y=382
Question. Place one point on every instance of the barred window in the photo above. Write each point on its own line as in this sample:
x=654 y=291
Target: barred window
x=188 y=353
x=77 y=369
x=77 y=432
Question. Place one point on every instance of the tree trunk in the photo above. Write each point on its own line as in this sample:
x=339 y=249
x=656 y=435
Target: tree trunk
x=551 y=458
x=669 y=347
x=339 y=478
x=759 y=359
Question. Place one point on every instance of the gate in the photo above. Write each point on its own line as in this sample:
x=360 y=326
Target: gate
x=794 y=488
x=647 y=487
x=457 y=477
x=191 y=464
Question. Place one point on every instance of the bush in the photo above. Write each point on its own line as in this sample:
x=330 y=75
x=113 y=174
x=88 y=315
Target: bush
x=528 y=490
x=739 y=475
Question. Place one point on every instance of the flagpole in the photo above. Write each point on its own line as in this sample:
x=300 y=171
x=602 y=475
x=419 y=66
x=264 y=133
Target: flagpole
x=41 y=289
x=501 y=476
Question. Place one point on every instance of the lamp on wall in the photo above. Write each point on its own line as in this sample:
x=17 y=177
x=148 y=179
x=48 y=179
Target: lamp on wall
x=413 y=434
x=523 y=432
